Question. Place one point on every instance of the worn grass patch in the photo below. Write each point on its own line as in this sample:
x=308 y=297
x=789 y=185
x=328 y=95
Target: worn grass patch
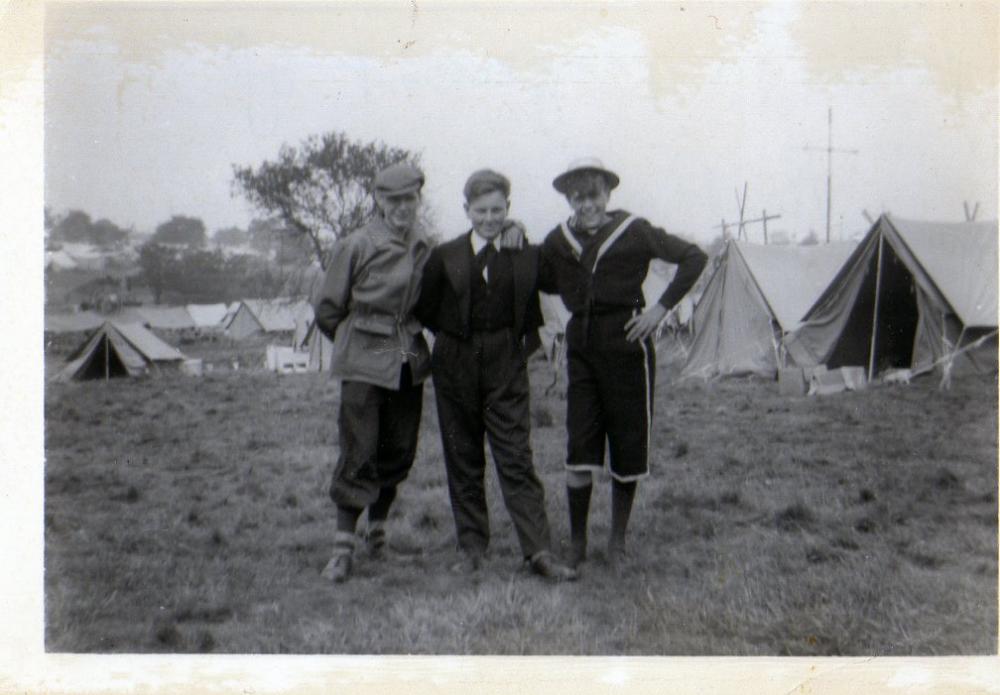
x=191 y=515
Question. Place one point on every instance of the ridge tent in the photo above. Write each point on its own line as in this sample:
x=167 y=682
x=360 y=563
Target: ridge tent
x=167 y=318
x=119 y=350
x=254 y=316
x=231 y=309
x=207 y=316
x=912 y=295
x=755 y=294
x=71 y=323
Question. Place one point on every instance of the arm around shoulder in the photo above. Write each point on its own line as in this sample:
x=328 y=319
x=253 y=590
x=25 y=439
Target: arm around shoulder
x=431 y=287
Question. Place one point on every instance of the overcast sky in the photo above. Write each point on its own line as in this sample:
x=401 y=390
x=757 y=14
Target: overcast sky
x=147 y=108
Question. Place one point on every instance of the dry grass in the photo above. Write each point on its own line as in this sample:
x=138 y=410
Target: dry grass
x=187 y=515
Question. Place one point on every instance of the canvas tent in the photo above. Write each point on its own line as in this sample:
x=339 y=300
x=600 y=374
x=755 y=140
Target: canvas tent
x=72 y=323
x=913 y=295
x=207 y=316
x=757 y=293
x=255 y=316
x=59 y=260
x=119 y=350
x=166 y=318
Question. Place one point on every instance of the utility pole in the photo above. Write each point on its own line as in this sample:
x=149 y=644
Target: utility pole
x=829 y=149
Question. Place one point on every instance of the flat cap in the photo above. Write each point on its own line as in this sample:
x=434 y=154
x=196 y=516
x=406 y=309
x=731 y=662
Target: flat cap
x=486 y=180
x=398 y=179
x=586 y=164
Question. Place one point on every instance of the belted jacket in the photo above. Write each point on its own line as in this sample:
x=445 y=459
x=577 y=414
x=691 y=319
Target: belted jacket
x=366 y=305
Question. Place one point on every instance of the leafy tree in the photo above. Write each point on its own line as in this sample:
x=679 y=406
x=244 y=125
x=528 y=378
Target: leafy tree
x=159 y=267
x=200 y=275
x=181 y=230
x=74 y=227
x=320 y=189
x=230 y=236
x=104 y=232
x=264 y=234
x=275 y=238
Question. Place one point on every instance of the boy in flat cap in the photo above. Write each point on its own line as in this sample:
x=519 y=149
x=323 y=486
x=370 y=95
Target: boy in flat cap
x=366 y=307
x=481 y=301
x=596 y=261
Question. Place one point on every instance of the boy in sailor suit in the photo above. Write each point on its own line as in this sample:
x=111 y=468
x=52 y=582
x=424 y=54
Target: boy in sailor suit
x=596 y=261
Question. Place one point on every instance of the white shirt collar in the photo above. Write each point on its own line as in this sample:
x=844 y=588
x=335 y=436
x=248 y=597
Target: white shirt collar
x=478 y=242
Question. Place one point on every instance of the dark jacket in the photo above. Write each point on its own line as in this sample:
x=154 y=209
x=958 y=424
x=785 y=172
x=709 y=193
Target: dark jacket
x=600 y=278
x=446 y=292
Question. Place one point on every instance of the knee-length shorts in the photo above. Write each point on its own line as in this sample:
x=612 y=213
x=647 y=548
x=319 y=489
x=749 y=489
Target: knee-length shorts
x=610 y=399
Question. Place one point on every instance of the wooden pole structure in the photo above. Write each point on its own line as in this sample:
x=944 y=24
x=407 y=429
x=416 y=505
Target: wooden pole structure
x=741 y=204
x=724 y=227
x=829 y=149
x=763 y=218
x=878 y=296
x=829 y=169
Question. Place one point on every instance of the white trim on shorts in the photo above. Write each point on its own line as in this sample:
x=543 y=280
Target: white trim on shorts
x=606 y=467
x=649 y=400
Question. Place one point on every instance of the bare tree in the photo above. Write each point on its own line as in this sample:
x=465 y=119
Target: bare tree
x=320 y=189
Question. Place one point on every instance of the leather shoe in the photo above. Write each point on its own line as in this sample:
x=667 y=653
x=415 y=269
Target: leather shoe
x=375 y=540
x=546 y=566
x=338 y=569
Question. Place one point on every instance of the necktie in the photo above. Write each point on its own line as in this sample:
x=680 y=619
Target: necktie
x=484 y=259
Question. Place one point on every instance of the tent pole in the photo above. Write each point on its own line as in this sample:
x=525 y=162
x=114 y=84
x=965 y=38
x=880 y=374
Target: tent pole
x=107 y=359
x=878 y=296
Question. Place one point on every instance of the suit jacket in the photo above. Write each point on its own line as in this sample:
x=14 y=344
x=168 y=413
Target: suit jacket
x=446 y=291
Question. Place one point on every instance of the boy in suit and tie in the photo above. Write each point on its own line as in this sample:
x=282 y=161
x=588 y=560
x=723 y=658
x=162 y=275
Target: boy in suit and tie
x=481 y=302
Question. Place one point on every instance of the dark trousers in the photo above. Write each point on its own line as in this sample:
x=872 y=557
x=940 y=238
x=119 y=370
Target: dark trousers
x=378 y=439
x=481 y=386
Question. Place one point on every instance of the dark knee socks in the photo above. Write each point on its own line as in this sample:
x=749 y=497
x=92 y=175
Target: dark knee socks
x=579 y=507
x=622 y=495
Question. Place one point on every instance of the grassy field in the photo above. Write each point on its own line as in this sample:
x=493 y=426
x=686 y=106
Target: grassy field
x=191 y=515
